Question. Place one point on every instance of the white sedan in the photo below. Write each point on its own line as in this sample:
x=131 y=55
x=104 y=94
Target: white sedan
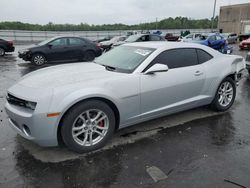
x=82 y=104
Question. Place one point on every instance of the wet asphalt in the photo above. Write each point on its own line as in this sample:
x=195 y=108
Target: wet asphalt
x=210 y=151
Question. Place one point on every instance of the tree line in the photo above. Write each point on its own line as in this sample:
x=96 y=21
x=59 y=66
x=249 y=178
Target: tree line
x=168 y=23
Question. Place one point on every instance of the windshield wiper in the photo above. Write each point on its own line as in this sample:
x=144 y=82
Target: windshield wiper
x=109 y=68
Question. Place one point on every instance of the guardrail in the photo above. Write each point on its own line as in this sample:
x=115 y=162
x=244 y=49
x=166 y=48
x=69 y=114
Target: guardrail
x=36 y=36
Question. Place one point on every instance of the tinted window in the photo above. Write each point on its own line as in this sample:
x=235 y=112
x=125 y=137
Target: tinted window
x=190 y=36
x=59 y=42
x=218 y=37
x=75 y=41
x=177 y=58
x=212 y=37
x=203 y=56
x=143 y=38
x=155 y=38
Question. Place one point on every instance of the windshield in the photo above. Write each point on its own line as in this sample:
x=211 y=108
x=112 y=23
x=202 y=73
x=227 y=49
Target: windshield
x=45 y=41
x=132 y=38
x=124 y=58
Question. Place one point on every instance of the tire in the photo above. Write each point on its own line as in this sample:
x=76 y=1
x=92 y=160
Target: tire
x=2 y=52
x=79 y=124
x=248 y=71
x=225 y=93
x=38 y=59
x=89 y=56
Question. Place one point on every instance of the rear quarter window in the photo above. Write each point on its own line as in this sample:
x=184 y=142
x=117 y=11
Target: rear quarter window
x=203 y=56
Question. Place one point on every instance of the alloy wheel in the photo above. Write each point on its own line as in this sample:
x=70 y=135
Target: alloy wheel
x=90 y=127
x=226 y=93
x=1 y=52
x=39 y=60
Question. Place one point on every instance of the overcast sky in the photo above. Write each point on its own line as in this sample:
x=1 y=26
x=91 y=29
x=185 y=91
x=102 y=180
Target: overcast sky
x=106 y=11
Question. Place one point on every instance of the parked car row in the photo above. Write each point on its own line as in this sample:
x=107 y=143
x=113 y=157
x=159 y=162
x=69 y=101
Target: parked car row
x=76 y=48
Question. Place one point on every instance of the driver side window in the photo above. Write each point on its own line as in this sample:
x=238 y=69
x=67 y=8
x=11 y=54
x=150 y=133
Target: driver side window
x=177 y=58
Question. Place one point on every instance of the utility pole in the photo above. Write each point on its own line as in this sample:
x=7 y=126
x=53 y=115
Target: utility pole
x=212 y=27
x=156 y=22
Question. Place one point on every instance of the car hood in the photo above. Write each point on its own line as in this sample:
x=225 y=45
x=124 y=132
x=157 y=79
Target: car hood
x=106 y=43
x=62 y=75
x=198 y=41
x=120 y=43
x=247 y=41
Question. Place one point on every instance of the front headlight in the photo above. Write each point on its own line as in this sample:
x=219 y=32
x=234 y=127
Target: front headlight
x=20 y=102
x=25 y=51
x=31 y=105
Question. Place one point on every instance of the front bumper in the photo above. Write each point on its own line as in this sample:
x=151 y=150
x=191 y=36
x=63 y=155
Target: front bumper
x=25 y=56
x=33 y=126
x=10 y=49
x=244 y=46
x=248 y=66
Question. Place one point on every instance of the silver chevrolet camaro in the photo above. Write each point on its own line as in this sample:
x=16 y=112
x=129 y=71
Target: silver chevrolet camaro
x=82 y=104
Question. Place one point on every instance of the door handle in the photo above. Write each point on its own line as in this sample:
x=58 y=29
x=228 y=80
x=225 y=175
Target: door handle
x=198 y=73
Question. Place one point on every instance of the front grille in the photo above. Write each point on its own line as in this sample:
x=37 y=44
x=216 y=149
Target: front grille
x=16 y=101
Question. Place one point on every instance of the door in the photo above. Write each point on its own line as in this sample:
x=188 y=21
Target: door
x=76 y=48
x=216 y=42
x=57 y=50
x=177 y=88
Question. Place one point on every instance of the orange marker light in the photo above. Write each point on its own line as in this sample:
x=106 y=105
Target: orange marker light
x=53 y=114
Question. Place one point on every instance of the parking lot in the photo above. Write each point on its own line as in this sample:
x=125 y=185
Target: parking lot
x=196 y=148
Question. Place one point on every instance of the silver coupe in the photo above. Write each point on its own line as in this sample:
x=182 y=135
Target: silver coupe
x=83 y=104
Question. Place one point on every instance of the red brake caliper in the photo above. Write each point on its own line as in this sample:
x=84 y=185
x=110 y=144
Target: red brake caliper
x=101 y=124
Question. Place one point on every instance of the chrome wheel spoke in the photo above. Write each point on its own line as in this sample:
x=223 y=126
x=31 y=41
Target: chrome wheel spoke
x=97 y=116
x=88 y=115
x=85 y=138
x=78 y=128
x=99 y=133
x=91 y=138
x=102 y=118
x=102 y=128
x=79 y=133
x=90 y=127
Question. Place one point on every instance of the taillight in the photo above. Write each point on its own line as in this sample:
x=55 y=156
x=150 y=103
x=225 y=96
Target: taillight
x=10 y=43
x=98 y=45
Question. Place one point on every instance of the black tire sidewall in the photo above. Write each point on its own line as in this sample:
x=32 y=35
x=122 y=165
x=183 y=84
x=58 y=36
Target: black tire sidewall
x=73 y=113
x=215 y=104
x=3 y=51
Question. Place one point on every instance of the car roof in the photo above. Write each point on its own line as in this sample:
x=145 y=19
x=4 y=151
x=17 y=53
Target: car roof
x=165 y=44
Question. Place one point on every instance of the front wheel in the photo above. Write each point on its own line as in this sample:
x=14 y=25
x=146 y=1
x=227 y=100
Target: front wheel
x=38 y=59
x=88 y=126
x=225 y=95
x=2 y=52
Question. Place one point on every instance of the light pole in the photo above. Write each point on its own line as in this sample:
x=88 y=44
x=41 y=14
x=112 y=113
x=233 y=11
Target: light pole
x=212 y=27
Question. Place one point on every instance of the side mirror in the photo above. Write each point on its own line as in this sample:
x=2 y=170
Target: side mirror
x=157 y=68
x=50 y=45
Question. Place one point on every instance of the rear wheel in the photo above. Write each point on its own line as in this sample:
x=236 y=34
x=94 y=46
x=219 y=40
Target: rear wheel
x=89 y=56
x=225 y=95
x=88 y=126
x=38 y=59
x=2 y=52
